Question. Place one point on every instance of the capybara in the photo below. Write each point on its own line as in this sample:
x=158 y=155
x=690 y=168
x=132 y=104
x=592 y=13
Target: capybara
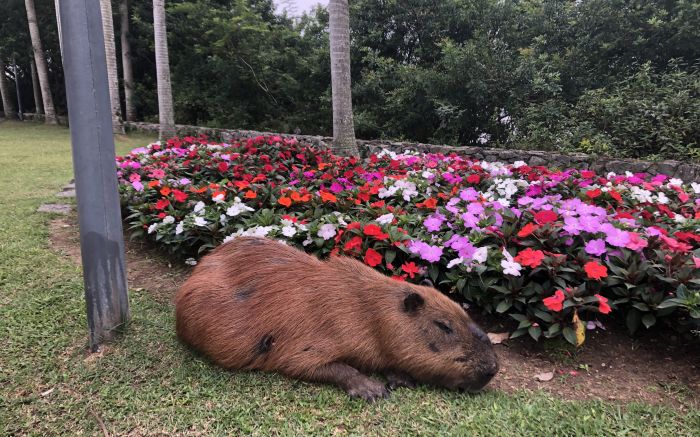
x=255 y=303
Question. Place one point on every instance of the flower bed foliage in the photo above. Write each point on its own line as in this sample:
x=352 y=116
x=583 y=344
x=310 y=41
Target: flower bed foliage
x=553 y=249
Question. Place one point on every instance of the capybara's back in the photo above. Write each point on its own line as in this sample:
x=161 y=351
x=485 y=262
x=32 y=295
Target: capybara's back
x=255 y=303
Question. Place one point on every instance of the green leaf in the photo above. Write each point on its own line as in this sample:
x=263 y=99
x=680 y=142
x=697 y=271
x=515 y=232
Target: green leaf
x=553 y=330
x=389 y=255
x=569 y=334
x=648 y=320
x=634 y=317
x=535 y=332
x=504 y=306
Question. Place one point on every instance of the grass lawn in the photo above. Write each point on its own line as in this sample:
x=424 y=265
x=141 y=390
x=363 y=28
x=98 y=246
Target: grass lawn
x=148 y=383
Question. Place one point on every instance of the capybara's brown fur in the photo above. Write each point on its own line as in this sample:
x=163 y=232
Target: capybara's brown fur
x=255 y=303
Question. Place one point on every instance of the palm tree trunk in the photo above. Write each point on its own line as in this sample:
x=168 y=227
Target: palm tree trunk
x=112 y=75
x=42 y=69
x=343 y=126
x=58 y=26
x=165 y=92
x=126 y=62
x=8 y=105
x=38 y=107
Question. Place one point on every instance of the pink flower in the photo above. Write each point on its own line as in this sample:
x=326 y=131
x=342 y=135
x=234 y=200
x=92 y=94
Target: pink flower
x=595 y=247
x=636 y=242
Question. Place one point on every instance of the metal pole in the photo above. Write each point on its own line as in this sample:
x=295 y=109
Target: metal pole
x=101 y=238
x=20 y=114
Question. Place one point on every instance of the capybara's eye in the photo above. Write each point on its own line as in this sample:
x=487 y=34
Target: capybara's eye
x=443 y=327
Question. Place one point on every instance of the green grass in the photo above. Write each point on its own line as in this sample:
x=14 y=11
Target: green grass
x=147 y=383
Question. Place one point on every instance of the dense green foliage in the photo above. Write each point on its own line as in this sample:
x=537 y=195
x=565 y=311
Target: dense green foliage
x=612 y=76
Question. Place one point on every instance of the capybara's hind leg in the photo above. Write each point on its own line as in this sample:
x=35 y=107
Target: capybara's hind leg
x=356 y=384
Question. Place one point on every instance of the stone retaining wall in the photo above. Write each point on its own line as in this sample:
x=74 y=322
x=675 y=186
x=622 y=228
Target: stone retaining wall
x=688 y=172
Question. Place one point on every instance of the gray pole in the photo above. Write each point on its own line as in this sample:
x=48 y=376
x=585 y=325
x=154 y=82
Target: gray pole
x=20 y=115
x=101 y=238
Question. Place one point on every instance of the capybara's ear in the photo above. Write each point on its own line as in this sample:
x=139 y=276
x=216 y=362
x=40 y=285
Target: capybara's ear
x=413 y=302
x=427 y=282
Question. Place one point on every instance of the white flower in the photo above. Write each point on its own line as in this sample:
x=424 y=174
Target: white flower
x=237 y=208
x=511 y=268
x=199 y=221
x=179 y=228
x=679 y=218
x=518 y=164
x=223 y=219
x=327 y=231
x=289 y=231
x=696 y=187
x=199 y=207
x=454 y=262
x=191 y=262
x=662 y=198
x=385 y=219
x=480 y=255
x=258 y=231
x=218 y=198
x=428 y=175
x=168 y=219
x=307 y=241
x=675 y=181
x=152 y=228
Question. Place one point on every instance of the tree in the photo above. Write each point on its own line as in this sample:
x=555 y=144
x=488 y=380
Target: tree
x=7 y=103
x=165 y=93
x=343 y=127
x=127 y=68
x=38 y=106
x=42 y=68
x=112 y=75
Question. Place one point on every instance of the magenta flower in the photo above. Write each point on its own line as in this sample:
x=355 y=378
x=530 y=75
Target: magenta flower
x=426 y=251
x=596 y=247
x=336 y=188
x=469 y=195
x=434 y=222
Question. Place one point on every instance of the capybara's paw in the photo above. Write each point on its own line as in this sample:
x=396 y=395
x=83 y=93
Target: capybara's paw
x=396 y=380
x=367 y=388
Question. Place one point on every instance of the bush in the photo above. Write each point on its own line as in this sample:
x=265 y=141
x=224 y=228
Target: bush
x=549 y=248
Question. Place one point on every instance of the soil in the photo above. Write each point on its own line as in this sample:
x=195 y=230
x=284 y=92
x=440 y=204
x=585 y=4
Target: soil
x=654 y=368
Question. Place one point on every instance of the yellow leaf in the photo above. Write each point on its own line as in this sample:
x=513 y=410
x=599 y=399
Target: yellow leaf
x=580 y=329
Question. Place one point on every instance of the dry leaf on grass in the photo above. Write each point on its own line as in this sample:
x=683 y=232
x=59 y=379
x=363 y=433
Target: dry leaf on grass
x=544 y=377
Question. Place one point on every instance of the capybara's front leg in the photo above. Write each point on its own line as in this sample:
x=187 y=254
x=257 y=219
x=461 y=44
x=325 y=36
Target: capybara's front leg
x=356 y=384
x=395 y=380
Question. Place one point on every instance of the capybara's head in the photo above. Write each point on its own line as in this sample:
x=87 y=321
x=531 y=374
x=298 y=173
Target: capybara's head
x=448 y=348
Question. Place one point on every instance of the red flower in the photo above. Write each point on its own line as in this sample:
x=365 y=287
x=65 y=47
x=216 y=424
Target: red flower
x=530 y=258
x=162 y=204
x=615 y=195
x=603 y=306
x=352 y=244
x=250 y=194
x=587 y=174
x=592 y=194
x=428 y=203
x=223 y=167
x=410 y=268
x=556 y=302
x=474 y=179
x=375 y=231
x=180 y=196
x=527 y=230
x=328 y=197
x=286 y=201
x=546 y=216
x=373 y=258
x=353 y=225
x=595 y=270
x=165 y=191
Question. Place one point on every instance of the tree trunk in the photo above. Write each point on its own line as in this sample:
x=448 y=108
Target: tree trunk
x=112 y=75
x=126 y=62
x=7 y=104
x=42 y=69
x=165 y=92
x=38 y=107
x=58 y=26
x=343 y=126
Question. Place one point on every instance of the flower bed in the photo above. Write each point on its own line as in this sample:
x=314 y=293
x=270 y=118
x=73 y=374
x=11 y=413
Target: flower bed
x=553 y=249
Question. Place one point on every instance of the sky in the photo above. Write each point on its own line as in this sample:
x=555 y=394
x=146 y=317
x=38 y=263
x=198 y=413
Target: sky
x=301 y=6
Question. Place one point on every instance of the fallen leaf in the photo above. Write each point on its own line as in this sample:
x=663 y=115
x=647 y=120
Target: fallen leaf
x=498 y=337
x=544 y=377
x=47 y=392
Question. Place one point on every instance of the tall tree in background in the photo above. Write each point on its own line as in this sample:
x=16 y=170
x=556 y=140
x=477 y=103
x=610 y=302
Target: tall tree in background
x=42 y=68
x=36 y=88
x=7 y=103
x=343 y=126
x=127 y=69
x=112 y=75
x=165 y=93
